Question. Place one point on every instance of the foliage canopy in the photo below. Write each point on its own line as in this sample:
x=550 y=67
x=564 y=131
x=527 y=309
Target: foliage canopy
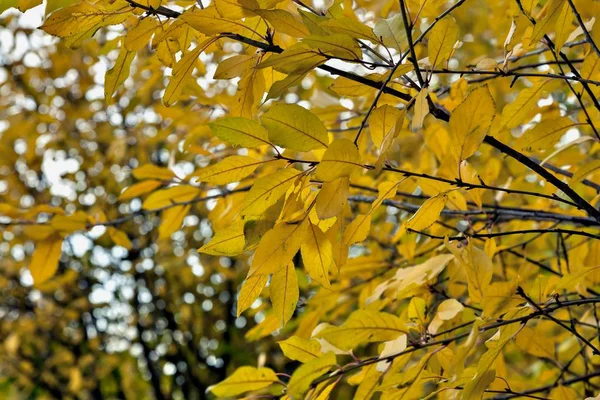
x=352 y=199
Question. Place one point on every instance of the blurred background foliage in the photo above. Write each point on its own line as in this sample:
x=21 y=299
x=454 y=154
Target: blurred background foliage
x=157 y=320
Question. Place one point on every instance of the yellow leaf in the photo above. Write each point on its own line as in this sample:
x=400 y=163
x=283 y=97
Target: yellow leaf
x=277 y=248
x=563 y=26
x=81 y=21
x=120 y=238
x=227 y=242
x=571 y=280
x=251 y=89
x=353 y=28
x=236 y=9
x=267 y=190
x=394 y=346
x=383 y=120
x=561 y=392
x=484 y=376
x=251 y=289
x=75 y=380
x=167 y=197
x=407 y=385
x=265 y=328
x=296 y=58
x=284 y=22
x=514 y=113
x=368 y=383
x=166 y=50
x=300 y=349
x=172 y=218
x=441 y=41
x=428 y=213
x=284 y=293
x=545 y=134
x=475 y=389
x=182 y=71
x=233 y=66
x=138 y=189
x=150 y=3
x=487 y=64
x=139 y=37
x=231 y=169
x=591 y=66
x=68 y=224
x=38 y=232
x=400 y=71
x=364 y=326
x=421 y=109
x=347 y=87
x=340 y=160
x=240 y=131
x=499 y=297
x=358 y=230
x=209 y=22
x=306 y=373
x=588 y=169
x=478 y=266
x=416 y=311
x=535 y=343
x=118 y=73
x=8 y=210
x=317 y=255
x=388 y=139
x=338 y=45
x=448 y=309
x=21 y=5
x=408 y=280
x=544 y=25
x=529 y=6
x=392 y=31
x=294 y=127
x=150 y=171
x=244 y=379
x=323 y=390
x=45 y=208
x=279 y=88
x=470 y=121
x=332 y=198
x=45 y=258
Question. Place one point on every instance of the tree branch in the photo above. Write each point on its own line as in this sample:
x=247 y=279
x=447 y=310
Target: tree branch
x=583 y=28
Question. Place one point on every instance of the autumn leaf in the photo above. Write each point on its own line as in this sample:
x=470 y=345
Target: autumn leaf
x=244 y=379
x=441 y=41
x=231 y=169
x=240 y=131
x=118 y=73
x=295 y=127
x=313 y=200
x=267 y=190
x=284 y=293
x=167 y=197
x=44 y=261
x=340 y=160
x=303 y=350
x=364 y=326
x=306 y=373
x=277 y=248
x=317 y=255
x=332 y=198
x=470 y=121
x=428 y=213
